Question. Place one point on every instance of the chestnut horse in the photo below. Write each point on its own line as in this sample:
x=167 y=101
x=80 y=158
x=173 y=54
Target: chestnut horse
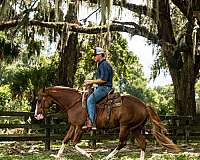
x=130 y=117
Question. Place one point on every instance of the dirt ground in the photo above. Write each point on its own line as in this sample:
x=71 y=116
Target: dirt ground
x=191 y=149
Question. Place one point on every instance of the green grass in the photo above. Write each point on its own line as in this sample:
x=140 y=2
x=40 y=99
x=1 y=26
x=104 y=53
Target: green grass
x=25 y=157
x=36 y=151
x=96 y=157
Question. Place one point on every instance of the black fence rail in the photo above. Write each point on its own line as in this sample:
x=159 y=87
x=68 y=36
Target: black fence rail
x=179 y=127
x=21 y=126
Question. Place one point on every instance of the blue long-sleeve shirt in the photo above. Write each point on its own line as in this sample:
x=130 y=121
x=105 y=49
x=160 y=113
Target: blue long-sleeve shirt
x=105 y=72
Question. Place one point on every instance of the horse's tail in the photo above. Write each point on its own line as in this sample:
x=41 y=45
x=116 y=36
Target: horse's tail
x=159 y=131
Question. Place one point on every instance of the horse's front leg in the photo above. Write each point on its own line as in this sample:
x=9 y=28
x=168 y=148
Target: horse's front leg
x=68 y=136
x=76 y=139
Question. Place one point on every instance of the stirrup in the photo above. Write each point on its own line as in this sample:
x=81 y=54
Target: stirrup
x=84 y=127
x=94 y=128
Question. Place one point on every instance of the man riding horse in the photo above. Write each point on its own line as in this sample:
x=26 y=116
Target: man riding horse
x=104 y=82
x=130 y=115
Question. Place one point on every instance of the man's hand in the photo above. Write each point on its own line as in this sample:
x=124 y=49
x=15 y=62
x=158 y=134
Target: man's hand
x=91 y=82
x=88 y=82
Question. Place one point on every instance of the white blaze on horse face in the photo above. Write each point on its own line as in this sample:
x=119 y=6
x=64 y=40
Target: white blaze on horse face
x=38 y=116
x=36 y=109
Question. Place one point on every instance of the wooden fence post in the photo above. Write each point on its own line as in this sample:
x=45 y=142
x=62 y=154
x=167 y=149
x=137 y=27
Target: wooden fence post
x=47 y=133
x=174 y=129
x=26 y=130
x=187 y=128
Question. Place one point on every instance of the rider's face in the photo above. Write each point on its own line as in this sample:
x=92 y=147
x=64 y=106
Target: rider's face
x=97 y=57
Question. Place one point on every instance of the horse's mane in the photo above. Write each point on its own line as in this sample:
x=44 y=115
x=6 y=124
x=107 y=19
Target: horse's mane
x=58 y=88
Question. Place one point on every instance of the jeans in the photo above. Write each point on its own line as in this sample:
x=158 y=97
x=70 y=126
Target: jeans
x=99 y=93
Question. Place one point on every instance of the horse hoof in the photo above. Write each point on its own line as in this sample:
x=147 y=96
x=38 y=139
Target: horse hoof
x=106 y=158
x=89 y=155
x=55 y=156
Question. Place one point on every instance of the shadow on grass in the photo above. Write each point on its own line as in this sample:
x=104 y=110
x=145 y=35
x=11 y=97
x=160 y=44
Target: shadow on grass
x=36 y=151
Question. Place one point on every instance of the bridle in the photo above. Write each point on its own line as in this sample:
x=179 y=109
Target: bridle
x=58 y=103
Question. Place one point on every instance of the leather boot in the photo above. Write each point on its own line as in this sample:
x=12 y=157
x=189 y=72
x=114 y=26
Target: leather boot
x=88 y=124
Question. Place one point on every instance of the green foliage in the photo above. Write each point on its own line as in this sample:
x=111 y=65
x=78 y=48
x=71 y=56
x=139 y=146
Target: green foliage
x=9 y=50
x=197 y=90
x=86 y=66
x=7 y=103
x=162 y=99
x=24 y=78
x=159 y=65
x=5 y=96
x=34 y=48
x=197 y=95
x=129 y=78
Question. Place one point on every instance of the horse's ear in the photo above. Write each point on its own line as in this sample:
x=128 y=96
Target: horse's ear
x=44 y=93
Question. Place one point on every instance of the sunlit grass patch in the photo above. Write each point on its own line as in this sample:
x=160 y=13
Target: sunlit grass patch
x=170 y=156
x=26 y=157
x=36 y=151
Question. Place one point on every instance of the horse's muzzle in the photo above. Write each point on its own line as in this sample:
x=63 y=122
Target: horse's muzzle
x=39 y=116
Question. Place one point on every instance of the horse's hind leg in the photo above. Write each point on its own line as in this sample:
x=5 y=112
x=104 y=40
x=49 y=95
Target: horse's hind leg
x=141 y=142
x=122 y=141
x=68 y=136
x=76 y=139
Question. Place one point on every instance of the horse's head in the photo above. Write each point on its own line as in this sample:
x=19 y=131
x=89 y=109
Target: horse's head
x=43 y=102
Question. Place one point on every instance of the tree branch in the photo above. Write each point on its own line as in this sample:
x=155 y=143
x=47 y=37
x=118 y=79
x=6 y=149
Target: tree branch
x=184 y=8
x=141 y=31
x=127 y=23
x=140 y=9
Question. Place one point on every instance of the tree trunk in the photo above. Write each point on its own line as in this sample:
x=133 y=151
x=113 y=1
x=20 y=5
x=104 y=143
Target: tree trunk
x=180 y=61
x=70 y=53
x=184 y=76
x=184 y=83
x=68 y=61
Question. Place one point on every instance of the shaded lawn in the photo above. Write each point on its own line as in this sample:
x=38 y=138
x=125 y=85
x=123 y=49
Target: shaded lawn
x=36 y=151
